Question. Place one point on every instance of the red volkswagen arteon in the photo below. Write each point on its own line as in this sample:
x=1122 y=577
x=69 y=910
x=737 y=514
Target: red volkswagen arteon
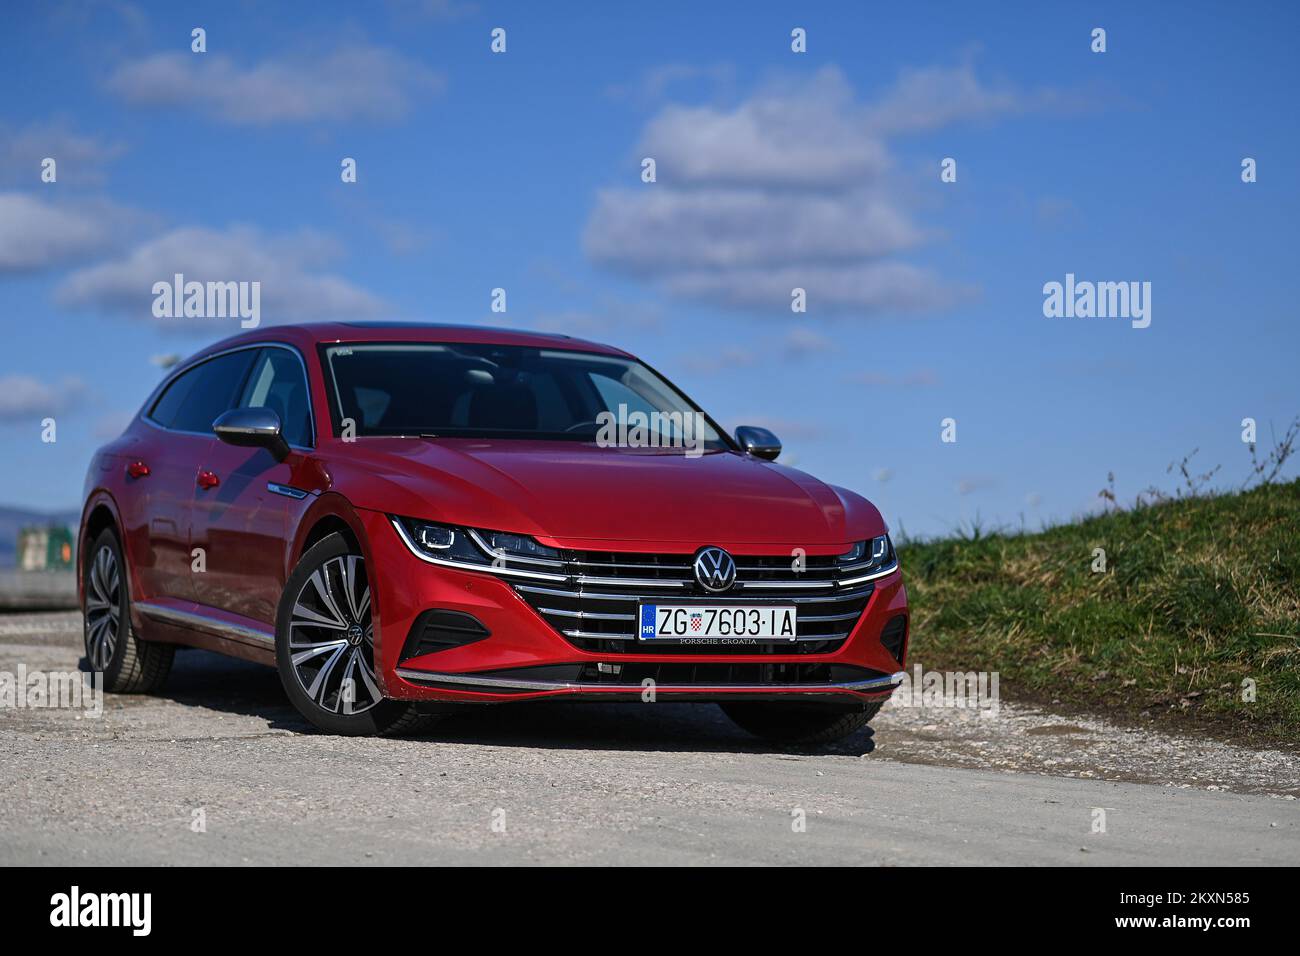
x=404 y=518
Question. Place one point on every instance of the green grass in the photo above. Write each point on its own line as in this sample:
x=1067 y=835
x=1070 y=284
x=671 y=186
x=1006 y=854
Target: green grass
x=1198 y=595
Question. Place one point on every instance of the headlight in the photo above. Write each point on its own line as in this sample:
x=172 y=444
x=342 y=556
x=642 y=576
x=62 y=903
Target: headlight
x=497 y=552
x=867 y=560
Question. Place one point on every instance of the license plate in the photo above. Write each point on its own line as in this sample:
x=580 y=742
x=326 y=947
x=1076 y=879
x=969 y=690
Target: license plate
x=689 y=622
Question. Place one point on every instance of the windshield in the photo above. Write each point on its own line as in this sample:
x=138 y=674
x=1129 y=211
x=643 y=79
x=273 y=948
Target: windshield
x=508 y=391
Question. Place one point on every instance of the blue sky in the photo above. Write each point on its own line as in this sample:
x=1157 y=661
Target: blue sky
x=522 y=171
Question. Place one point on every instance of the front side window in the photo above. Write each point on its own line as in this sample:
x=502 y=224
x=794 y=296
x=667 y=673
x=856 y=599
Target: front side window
x=277 y=382
x=492 y=391
x=197 y=397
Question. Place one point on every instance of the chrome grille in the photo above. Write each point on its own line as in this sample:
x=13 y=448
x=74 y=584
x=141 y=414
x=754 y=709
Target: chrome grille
x=595 y=608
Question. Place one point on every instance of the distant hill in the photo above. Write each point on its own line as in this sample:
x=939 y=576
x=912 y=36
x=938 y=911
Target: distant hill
x=11 y=519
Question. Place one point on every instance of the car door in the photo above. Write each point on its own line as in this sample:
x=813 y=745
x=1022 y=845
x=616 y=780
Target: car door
x=241 y=521
x=174 y=452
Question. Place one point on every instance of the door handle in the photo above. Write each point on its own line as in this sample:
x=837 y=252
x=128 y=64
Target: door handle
x=137 y=469
x=207 y=479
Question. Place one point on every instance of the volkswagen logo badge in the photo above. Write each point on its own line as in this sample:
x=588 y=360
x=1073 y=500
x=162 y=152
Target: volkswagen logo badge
x=715 y=569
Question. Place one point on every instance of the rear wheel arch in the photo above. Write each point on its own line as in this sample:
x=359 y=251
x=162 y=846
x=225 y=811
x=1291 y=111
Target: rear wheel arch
x=99 y=516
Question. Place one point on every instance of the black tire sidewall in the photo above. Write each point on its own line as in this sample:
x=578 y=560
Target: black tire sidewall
x=377 y=719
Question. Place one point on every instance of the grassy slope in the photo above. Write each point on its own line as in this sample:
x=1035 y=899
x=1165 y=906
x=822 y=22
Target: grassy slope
x=1198 y=594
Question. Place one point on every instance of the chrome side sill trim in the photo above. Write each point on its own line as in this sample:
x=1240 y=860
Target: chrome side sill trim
x=237 y=632
x=472 y=680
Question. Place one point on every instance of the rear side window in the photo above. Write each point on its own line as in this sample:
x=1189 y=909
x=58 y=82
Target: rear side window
x=277 y=382
x=198 y=397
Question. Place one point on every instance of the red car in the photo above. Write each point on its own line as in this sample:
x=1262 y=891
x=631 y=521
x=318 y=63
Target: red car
x=405 y=518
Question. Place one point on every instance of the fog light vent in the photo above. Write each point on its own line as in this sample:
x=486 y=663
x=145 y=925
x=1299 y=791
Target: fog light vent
x=440 y=630
x=894 y=636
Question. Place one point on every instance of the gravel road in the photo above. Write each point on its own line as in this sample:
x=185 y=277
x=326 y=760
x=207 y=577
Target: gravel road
x=219 y=769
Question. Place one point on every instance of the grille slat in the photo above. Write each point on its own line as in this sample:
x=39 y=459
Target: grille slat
x=591 y=609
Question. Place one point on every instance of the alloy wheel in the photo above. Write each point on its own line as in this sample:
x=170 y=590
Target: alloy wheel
x=331 y=638
x=103 y=609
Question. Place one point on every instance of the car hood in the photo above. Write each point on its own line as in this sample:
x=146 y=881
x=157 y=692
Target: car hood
x=572 y=492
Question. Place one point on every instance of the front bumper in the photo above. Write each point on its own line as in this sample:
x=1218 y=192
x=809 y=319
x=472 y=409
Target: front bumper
x=525 y=658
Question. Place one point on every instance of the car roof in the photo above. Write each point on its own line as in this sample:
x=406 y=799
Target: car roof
x=309 y=334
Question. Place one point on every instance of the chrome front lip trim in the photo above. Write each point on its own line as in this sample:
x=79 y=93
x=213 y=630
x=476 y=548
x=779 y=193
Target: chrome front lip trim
x=889 y=681
x=237 y=632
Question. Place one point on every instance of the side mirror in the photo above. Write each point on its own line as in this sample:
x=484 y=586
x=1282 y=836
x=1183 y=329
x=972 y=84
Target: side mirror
x=252 y=428
x=758 y=442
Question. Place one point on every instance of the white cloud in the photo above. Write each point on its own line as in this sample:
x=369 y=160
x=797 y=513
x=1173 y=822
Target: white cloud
x=808 y=135
x=351 y=83
x=289 y=268
x=790 y=189
x=933 y=97
x=37 y=234
x=801 y=341
x=23 y=397
x=79 y=158
x=659 y=230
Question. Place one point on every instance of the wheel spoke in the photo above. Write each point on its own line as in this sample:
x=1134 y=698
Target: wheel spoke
x=304 y=616
x=111 y=585
x=368 y=678
x=350 y=585
x=316 y=650
x=347 y=699
x=95 y=584
x=317 y=689
x=320 y=582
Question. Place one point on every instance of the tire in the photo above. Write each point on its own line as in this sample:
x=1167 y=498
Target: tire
x=324 y=647
x=801 y=724
x=130 y=665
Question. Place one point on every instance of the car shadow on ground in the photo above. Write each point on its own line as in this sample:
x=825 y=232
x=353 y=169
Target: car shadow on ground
x=231 y=686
